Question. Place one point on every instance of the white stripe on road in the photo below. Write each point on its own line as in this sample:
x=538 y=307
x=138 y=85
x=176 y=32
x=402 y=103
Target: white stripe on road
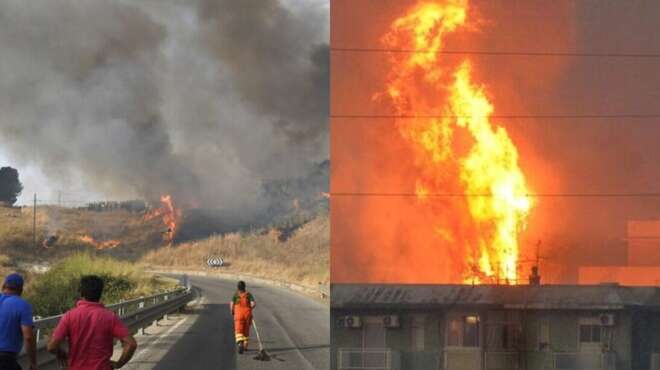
x=164 y=335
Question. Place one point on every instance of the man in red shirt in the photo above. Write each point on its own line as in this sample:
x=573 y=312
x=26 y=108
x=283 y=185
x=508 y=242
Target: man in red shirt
x=91 y=329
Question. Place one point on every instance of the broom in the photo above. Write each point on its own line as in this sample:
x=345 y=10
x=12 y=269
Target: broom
x=262 y=355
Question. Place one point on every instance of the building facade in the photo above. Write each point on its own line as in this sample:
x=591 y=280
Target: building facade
x=458 y=327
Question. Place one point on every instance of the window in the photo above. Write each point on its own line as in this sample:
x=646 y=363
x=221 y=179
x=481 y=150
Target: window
x=590 y=333
x=463 y=331
x=543 y=336
x=502 y=336
x=373 y=337
x=418 y=333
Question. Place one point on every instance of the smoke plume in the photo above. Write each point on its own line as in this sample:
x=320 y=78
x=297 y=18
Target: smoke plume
x=204 y=100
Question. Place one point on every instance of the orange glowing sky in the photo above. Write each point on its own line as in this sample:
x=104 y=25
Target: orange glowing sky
x=402 y=239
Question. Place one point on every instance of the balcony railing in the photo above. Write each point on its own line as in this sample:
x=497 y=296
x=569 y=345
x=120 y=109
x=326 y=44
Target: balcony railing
x=503 y=360
x=368 y=359
x=584 y=361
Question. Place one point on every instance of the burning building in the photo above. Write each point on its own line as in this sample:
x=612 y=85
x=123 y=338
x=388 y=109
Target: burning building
x=463 y=131
x=458 y=327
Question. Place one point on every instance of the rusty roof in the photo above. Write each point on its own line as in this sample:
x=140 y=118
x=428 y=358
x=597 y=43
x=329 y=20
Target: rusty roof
x=387 y=296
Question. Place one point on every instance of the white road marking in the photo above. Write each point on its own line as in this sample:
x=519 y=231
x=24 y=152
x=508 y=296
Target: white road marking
x=163 y=335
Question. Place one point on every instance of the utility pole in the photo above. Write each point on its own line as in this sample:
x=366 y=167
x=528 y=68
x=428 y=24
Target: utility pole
x=34 y=222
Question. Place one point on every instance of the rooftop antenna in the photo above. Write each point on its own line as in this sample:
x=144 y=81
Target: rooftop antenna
x=535 y=277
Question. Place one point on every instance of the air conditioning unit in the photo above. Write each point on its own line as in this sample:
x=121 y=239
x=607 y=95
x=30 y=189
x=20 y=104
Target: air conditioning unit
x=391 y=321
x=351 y=322
x=606 y=319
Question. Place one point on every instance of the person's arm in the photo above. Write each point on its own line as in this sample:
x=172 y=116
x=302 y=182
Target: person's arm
x=29 y=339
x=129 y=345
x=30 y=344
x=57 y=338
x=253 y=303
x=232 y=303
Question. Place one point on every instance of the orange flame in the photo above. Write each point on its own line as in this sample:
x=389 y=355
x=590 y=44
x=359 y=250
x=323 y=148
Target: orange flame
x=108 y=244
x=169 y=214
x=461 y=151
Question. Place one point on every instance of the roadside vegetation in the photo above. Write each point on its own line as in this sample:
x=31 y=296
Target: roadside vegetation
x=56 y=290
x=298 y=254
x=294 y=248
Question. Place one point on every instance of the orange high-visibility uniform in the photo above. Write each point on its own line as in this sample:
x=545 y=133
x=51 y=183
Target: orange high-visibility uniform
x=242 y=316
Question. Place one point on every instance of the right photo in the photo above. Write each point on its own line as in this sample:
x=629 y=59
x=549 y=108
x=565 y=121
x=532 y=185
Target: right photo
x=495 y=185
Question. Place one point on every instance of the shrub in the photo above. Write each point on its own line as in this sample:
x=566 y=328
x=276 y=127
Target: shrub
x=56 y=291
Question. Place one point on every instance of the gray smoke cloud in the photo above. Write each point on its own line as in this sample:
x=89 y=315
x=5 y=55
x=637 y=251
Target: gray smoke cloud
x=203 y=100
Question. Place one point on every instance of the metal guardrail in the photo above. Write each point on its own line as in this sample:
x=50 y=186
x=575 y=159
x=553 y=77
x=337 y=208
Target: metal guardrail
x=135 y=313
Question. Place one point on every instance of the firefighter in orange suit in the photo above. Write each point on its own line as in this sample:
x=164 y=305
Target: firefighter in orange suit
x=241 y=306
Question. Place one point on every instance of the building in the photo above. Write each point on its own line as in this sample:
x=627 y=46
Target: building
x=486 y=327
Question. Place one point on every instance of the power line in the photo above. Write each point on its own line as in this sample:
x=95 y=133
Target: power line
x=468 y=195
x=500 y=116
x=501 y=53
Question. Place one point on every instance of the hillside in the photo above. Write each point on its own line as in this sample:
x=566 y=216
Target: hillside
x=63 y=231
x=296 y=249
x=302 y=257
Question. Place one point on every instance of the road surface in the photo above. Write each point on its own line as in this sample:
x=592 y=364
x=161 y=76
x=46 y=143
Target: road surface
x=294 y=330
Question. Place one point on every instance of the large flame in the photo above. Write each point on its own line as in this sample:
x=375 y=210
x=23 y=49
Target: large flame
x=169 y=214
x=460 y=154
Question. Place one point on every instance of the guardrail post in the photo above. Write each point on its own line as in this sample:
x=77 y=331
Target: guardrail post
x=136 y=314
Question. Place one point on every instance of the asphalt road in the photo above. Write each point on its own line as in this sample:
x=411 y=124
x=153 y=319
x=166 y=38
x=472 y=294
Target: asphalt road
x=294 y=330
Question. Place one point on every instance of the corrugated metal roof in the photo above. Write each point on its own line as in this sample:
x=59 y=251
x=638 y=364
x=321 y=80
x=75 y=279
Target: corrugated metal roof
x=521 y=296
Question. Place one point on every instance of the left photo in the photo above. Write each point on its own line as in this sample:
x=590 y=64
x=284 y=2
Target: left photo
x=164 y=184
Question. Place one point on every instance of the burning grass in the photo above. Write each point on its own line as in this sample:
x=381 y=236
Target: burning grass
x=65 y=231
x=302 y=258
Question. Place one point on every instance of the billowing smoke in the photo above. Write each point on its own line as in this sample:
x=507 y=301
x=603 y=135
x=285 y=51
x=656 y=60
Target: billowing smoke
x=204 y=100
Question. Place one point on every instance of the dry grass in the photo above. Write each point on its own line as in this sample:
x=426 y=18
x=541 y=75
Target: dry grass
x=303 y=258
x=16 y=240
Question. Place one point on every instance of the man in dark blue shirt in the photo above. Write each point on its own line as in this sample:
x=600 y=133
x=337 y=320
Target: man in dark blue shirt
x=16 y=326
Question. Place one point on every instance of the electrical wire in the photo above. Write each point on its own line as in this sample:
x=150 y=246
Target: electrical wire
x=500 y=53
x=461 y=195
x=500 y=116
